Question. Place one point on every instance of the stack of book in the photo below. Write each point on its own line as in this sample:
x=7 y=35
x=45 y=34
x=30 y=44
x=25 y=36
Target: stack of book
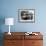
x=30 y=33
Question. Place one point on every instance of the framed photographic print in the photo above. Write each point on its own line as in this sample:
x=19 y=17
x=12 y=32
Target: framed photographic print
x=26 y=15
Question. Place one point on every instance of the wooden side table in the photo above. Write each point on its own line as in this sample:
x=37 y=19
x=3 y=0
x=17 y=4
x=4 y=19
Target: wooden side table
x=20 y=39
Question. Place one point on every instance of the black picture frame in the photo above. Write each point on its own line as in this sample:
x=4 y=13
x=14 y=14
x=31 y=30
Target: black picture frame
x=26 y=15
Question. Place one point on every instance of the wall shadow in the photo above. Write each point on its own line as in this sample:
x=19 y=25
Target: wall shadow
x=2 y=21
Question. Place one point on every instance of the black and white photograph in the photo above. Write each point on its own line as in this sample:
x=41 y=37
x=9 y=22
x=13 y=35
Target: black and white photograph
x=26 y=15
